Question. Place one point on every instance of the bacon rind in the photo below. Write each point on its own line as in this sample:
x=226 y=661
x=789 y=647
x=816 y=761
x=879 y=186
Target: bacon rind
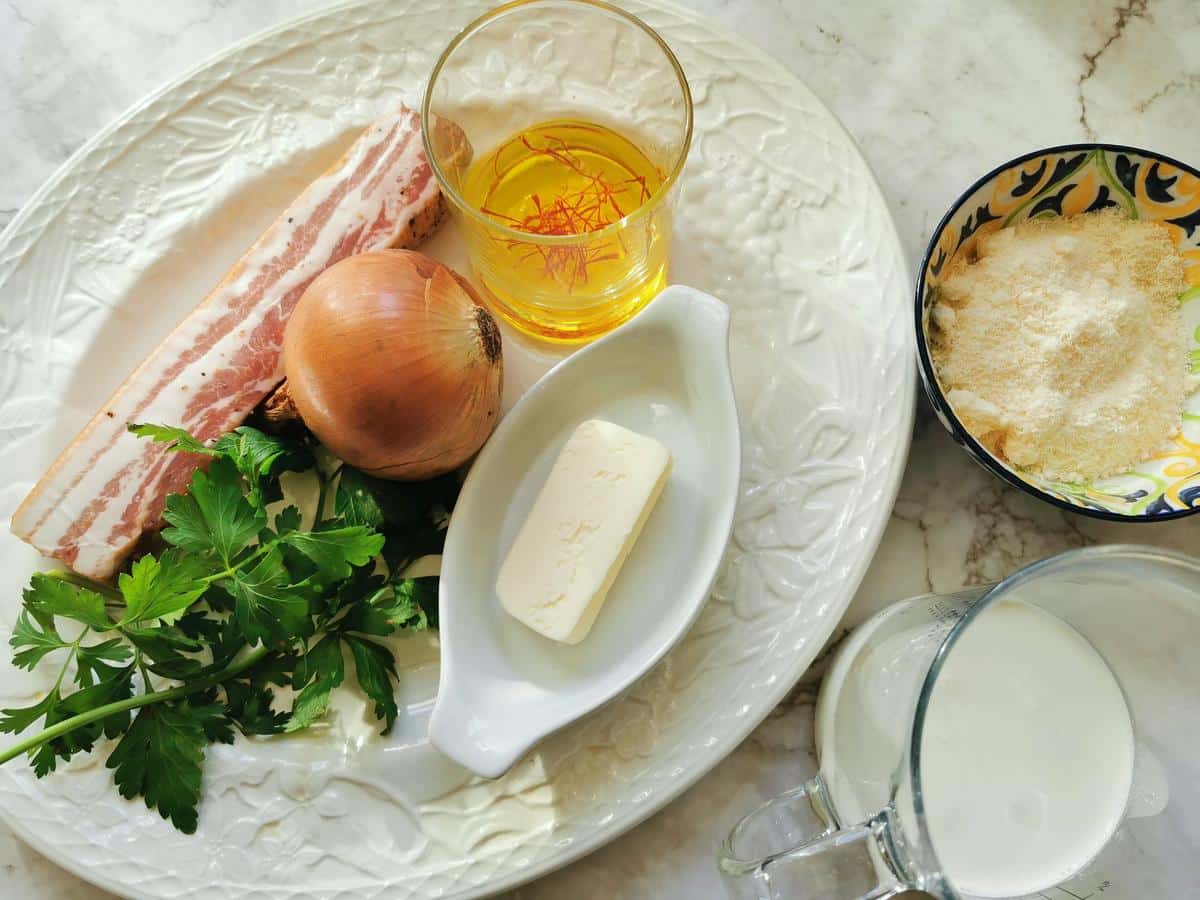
x=106 y=488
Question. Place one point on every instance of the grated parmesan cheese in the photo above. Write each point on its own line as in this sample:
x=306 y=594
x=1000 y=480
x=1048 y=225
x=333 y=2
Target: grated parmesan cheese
x=1060 y=347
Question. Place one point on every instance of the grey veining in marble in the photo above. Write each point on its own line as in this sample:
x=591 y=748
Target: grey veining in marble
x=935 y=94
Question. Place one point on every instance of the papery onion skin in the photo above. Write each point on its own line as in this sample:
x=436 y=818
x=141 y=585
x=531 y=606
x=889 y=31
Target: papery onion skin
x=395 y=365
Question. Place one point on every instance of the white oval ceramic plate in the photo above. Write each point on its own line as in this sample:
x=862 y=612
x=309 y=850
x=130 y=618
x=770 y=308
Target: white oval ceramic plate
x=665 y=374
x=778 y=215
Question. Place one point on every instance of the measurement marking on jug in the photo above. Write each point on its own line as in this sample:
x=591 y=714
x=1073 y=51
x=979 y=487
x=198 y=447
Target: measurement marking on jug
x=943 y=613
x=1072 y=893
x=1100 y=888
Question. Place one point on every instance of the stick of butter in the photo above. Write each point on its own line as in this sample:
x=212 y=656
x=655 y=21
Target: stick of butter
x=601 y=489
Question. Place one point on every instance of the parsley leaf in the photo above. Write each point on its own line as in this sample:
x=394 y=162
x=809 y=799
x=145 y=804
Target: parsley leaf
x=260 y=458
x=248 y=705
x=423 y=592
x=375 y=669
x=355 y=502
x=92 y=661
x=214 y=516
x=404 y=547
x=287 y=520
x=318 y=673
x=335 y=550
x=267 y=607
x=278 y=668
x=33 y=637
x=163 y=650
x=162 y=588
x=257 y=454
x=160 y=758
x=178 y=438
x=393 y=606
x=198 y=625
x=50 y=596
x=360 y=594
x=16 y=719
x=211 y=714
x=409 y=504
x=412 y=515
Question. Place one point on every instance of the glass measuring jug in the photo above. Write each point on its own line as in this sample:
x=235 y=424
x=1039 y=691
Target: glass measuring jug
x=1117 y=811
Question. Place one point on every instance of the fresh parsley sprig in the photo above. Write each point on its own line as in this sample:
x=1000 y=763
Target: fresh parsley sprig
x=192 y=642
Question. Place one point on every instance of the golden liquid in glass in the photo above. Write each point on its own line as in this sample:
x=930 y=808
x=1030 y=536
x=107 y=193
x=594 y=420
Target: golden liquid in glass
x=598 y=233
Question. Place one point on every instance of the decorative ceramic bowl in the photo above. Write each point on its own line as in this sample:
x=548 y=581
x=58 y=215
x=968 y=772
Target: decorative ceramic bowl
x=1064 y=181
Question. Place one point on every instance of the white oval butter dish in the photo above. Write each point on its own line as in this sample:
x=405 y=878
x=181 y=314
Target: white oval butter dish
x=664 y=374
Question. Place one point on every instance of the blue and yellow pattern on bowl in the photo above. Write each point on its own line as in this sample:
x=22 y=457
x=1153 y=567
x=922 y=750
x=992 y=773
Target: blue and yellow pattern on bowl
x=1065 y=181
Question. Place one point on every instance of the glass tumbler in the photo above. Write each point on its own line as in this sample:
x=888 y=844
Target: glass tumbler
x=861 y=827
x=558 y=130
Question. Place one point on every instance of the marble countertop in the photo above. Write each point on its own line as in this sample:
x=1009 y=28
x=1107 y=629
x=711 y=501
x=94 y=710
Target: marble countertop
x=935 y=95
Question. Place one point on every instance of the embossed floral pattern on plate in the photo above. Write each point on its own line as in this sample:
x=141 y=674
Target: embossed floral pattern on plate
x=779 y=215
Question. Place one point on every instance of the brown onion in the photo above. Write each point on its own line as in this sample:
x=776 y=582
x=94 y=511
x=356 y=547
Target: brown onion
x=394 y=365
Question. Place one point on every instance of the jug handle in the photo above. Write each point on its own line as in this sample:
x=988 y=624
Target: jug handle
x=795 y=839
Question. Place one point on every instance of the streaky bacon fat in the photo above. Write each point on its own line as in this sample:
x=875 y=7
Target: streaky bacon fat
x=107 y=487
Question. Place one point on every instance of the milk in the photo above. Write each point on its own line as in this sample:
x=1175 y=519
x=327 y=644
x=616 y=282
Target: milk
x=1027 y=750
x=1027 y=754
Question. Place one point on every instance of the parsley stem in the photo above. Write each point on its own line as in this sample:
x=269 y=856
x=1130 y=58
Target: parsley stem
x=234 y=569
x=70 y=656
x=322 y=497
x=141 y=664
x=102 y=712
x=320 y=513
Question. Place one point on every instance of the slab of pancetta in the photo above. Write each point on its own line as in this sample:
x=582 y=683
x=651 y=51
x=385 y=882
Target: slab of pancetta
x=108 y=487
